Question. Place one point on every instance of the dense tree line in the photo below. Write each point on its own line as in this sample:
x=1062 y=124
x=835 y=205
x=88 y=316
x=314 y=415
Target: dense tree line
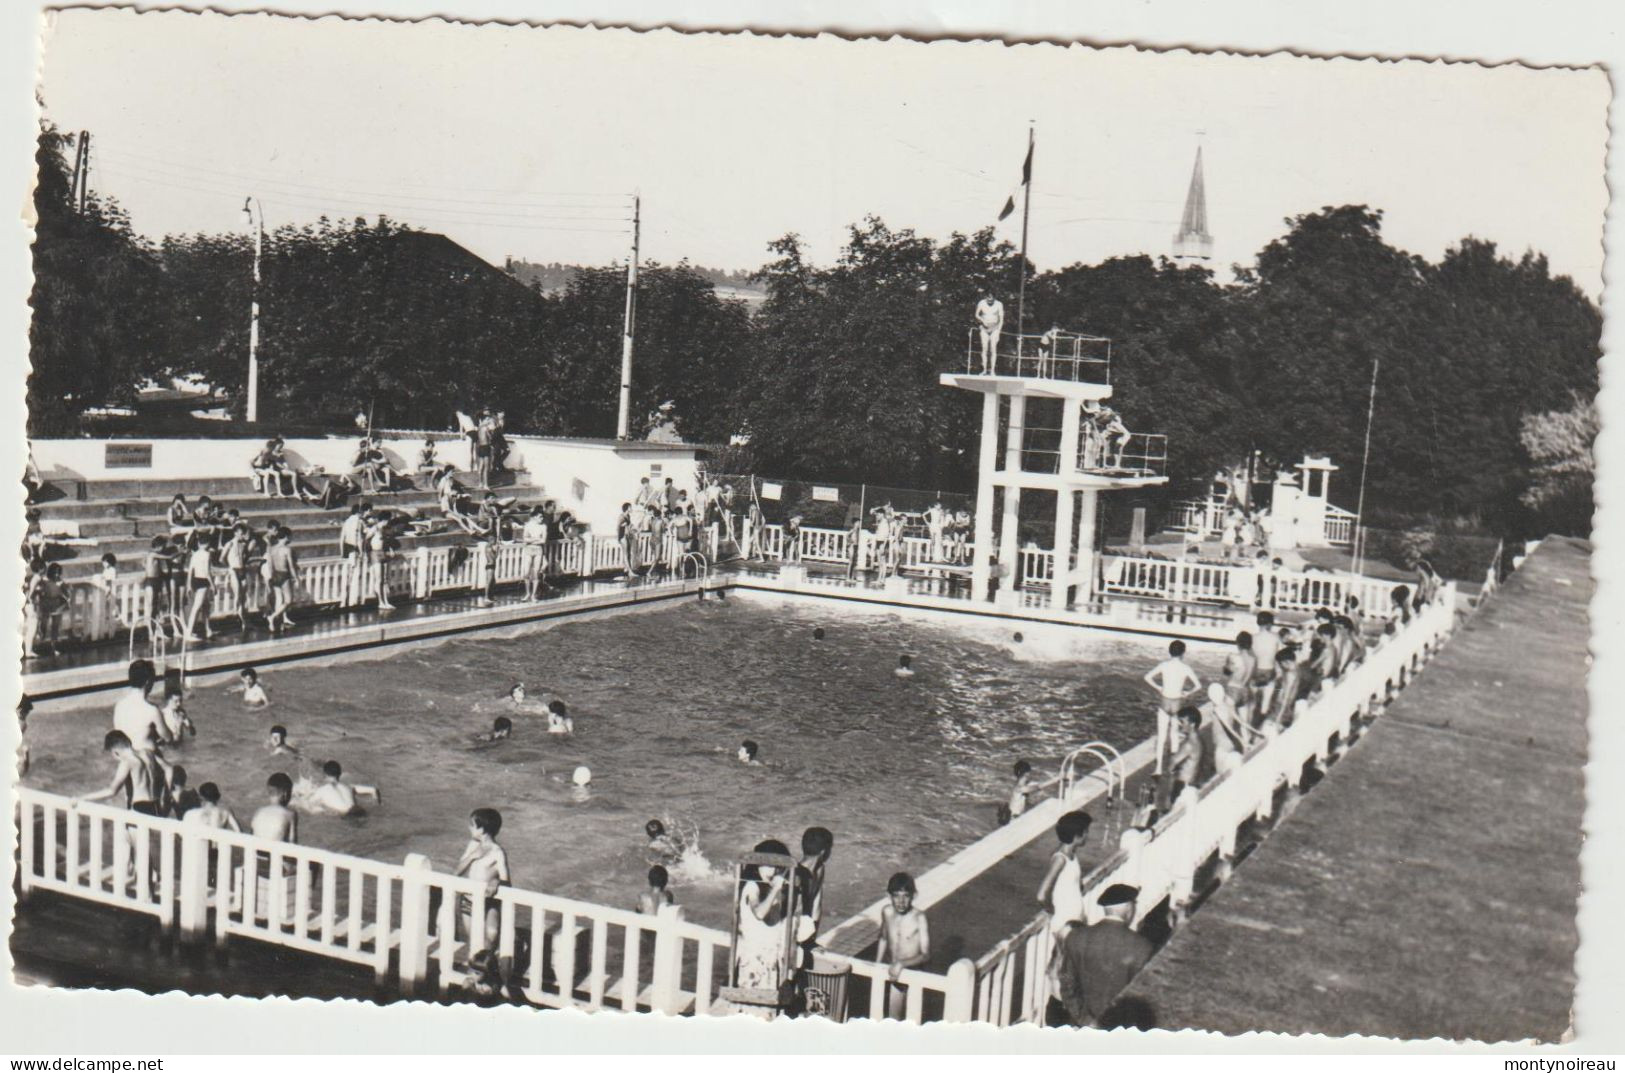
x=835 y=375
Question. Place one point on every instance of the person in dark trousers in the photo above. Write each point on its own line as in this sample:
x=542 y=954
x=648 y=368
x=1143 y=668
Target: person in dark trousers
x=1098 y=961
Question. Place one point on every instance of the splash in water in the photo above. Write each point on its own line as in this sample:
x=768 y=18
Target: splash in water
x=679 y=850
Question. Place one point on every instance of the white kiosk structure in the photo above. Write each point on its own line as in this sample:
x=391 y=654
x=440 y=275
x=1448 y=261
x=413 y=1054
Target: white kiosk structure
x=1045 y=394
x=1302 y=514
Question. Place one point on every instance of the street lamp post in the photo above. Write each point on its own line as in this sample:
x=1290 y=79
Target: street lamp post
x=251 y=206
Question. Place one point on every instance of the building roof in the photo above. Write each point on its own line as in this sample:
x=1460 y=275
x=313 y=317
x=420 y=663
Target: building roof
x=1193 y=239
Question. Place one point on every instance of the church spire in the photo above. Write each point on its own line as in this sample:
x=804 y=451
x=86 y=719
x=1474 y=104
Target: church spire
x=1193 y=240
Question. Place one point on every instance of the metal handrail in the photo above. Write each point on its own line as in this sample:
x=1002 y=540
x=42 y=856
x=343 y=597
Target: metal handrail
x=1073 y=357
x=1111 y=761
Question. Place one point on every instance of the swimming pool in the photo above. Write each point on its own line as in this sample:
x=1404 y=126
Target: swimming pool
x=903 y=771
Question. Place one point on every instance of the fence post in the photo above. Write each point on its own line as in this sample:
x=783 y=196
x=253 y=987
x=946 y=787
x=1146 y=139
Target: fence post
x=194 y=892
x=666 y=974
x=959 y=1000
x=420 y=573
x=414 y=966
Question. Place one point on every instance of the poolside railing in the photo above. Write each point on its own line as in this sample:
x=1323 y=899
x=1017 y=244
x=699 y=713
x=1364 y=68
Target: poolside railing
x=95 y=613
x=1172 y=580
x=1069 y=356
x=1244 y=585
x=415 y=928
x=1012 y=982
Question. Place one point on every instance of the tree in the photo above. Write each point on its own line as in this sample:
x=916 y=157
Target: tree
x=843 y=377
x=1559 y=444
x=99 y=300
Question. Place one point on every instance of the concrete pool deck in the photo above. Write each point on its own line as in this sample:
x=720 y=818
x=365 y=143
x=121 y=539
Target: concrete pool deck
x=103 y=666
x=1429 y=887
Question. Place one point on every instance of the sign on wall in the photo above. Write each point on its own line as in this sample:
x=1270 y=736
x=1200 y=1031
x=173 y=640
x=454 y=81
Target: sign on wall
x=128 y=456
x=827 y=495
x=771 y=490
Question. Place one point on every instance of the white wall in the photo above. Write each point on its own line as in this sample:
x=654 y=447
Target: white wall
x=86 y=459
x=609 y=472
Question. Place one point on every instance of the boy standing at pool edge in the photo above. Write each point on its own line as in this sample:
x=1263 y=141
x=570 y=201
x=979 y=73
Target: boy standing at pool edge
x=905 y=940
x=1174 y=681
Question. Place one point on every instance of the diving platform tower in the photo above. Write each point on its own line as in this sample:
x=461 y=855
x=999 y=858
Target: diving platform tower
x=1044 y=399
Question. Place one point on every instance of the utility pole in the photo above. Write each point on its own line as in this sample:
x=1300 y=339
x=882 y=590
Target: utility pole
x=81 y=172
x=623 y=424
x=252 y=411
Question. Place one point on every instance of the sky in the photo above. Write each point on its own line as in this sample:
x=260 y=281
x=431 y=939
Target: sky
x=528 y=142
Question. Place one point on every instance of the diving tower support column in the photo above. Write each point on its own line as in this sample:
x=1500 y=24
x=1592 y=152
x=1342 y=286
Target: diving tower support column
x=987 y=457
x=1010 y=524
x=1061 y=557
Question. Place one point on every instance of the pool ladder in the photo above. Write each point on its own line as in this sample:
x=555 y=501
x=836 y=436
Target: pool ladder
x=1111 y=762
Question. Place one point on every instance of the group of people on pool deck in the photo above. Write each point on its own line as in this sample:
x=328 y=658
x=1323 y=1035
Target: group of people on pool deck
x=1266 y=676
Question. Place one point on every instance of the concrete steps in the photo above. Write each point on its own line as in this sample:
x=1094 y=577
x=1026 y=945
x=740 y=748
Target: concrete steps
x=125 y=526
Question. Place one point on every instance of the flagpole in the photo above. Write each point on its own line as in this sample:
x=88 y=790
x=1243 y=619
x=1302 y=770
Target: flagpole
x=1365 y=461
x=1021 y=285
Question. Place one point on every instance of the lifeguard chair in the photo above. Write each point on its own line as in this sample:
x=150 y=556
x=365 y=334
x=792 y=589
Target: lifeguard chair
x=1041 y=394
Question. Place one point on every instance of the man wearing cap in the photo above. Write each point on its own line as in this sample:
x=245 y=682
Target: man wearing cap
x=1098 y=961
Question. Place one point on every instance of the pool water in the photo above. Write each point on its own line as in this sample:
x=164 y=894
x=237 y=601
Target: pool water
x=903 y=771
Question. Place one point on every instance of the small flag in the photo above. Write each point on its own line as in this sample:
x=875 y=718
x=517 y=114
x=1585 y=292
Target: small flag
x=1026 y=179
x=772 y=491
x=578 y=488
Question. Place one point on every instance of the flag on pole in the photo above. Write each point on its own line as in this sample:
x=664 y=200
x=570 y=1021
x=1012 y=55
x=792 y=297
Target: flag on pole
x=1026 y=178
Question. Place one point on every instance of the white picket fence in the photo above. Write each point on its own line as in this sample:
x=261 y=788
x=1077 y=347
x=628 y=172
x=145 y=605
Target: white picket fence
x=421 y=929
x=1172 y=580
x=1244 y=586
x=1012 y=983
x=414 y=927
x=97 y=614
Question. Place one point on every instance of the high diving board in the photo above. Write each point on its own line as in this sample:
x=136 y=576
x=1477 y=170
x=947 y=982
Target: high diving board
x=1030 y=386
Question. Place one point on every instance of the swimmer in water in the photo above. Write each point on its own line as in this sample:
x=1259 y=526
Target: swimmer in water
x=905 y=667
x=657 y=897
x=747 y=753
x=660 y=842
x=818 y=633
x=278 y=743
x=177 y=724
x=332 y=794
x=1020 y=792
x=254 y=695
x=558 y=719
x=501 y=727
x=210 y=812
x=275 y=820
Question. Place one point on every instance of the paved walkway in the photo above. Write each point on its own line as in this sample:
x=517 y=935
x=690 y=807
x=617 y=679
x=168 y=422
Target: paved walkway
x=1428 y=888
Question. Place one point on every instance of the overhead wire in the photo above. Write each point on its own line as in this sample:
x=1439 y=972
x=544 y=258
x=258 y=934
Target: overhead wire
x=188 y=167
x=345 y=206
x=160 y=172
